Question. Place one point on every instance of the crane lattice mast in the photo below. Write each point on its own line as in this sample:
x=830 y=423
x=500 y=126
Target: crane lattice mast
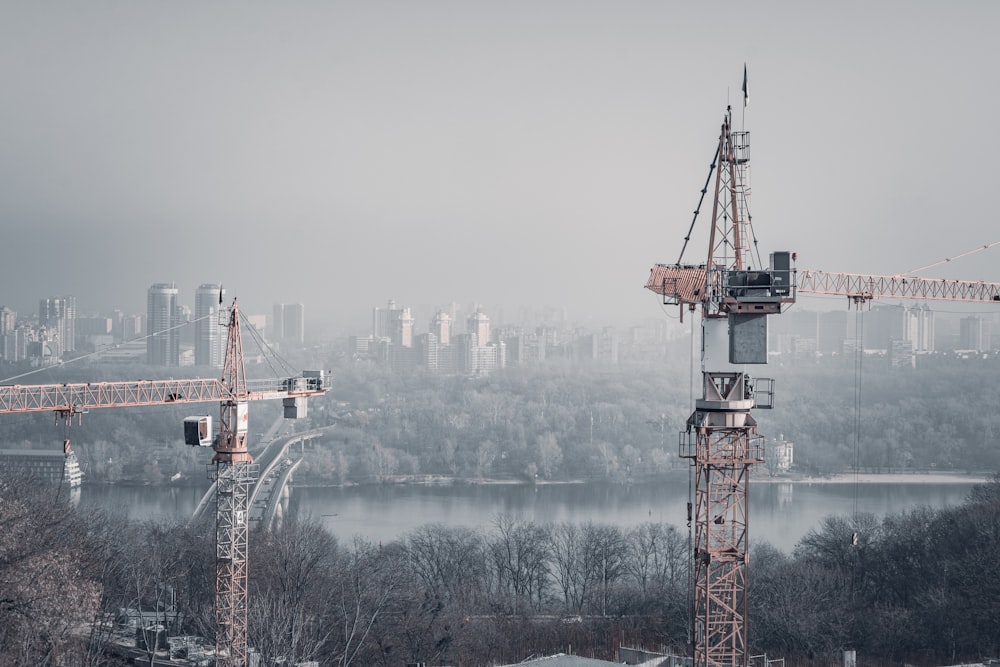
x=235 y=472
x=721 y=438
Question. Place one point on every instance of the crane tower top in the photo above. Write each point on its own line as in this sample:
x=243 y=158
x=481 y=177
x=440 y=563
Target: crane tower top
x=733 y=282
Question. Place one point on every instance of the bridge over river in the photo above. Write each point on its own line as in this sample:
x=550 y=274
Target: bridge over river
x=269 y=496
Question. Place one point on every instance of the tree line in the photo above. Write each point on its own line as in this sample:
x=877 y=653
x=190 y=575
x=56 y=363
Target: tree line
x=919 y=587
x=560 y=422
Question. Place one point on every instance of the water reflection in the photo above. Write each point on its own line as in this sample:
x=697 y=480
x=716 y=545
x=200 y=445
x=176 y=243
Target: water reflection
x=781 y=513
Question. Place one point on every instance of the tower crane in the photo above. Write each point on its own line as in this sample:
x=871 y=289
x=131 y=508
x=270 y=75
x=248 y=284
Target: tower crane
x=736 y=293
x=234 y=469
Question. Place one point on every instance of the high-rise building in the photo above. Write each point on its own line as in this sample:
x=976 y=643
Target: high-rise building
x=209 y=336
x=58 y=316
x=428 y=351
x=884 y=323
x=479 y=324
x=8 y=318
x=975 y=334
x=402 y=329
x=920 y=327
x=441 y=327
x=288 y=323
x=163 y=346
x=393 y=324
x=383 y=318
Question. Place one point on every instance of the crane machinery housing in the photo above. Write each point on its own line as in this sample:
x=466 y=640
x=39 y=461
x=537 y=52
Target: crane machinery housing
x=234 y=469
x=735 y=294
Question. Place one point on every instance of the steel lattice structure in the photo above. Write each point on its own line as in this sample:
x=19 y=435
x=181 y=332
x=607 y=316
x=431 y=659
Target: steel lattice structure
x=865 y=287
x=232 y=520
x=722 y=441
x=235 y=470
x=721 y=437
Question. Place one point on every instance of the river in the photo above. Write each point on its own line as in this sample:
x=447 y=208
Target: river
x=780 y=512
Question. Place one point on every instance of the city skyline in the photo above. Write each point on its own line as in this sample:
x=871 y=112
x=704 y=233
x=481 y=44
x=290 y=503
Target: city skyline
x=507 y=153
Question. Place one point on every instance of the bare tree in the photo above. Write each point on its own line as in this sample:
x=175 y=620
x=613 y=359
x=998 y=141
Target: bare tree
x=369 y=579
x=293 y=570
x=520 y=558
x=45 y=590
x=569 y=566
x=449 y=562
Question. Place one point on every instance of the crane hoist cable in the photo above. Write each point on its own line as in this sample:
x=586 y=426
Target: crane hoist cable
x=981 y=248
x=701 y=199
x=859 y=355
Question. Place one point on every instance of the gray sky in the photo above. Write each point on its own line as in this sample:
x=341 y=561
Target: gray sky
x=540 y=153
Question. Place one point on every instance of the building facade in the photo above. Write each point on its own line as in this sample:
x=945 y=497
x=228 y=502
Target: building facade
x=288 y=323
x=163 y=346
x=209 y=332
x=57 y=315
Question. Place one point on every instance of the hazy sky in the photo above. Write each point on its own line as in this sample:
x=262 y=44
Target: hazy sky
x=536 y=152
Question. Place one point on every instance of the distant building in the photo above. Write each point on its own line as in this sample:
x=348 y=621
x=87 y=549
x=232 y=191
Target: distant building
x=46 y=465
x=402 y=329
x=479 y=324
x=428 y=351
x=14 y=344
x=441 y=327
x=883 y=323
x=209 y=335
x=8 y=318
x=900 y=353
x=8 y=335
x=831 y=331
x=920 y=328
x=779 y=455
x=288 y=323
x=163 y=346
x=382 y=319
x=57 y=315
x=975 y=334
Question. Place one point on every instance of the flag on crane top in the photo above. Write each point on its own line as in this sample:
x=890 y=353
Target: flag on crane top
x=746 y=93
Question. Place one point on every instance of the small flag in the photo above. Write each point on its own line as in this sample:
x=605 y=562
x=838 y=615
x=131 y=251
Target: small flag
x=746 y=93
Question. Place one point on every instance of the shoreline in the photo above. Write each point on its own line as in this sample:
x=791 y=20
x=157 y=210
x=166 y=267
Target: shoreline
x=445 y=480
x=884 y=478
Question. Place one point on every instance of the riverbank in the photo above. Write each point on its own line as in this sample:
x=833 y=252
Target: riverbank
x=884 y=478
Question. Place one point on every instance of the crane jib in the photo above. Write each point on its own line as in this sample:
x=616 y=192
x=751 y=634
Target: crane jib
x=77 y=398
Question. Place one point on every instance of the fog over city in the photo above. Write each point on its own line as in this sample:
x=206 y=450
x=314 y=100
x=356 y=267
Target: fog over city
x=343 y=153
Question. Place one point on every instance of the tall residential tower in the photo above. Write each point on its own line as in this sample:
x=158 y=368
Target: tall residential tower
x=209 y=332
x=163 y=347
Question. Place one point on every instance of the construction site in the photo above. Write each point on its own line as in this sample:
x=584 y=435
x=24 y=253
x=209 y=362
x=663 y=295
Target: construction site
x=450 y=589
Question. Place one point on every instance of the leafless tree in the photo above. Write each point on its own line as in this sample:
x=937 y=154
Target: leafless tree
x=449 y=563
x=520 y=558
x=369 y=579
x=45 y=589
x=292 y=572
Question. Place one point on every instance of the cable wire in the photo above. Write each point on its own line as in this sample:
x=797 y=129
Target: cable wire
x=103 y=350
x=948 y=259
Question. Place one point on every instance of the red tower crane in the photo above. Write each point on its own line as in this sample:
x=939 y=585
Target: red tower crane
x=234 y=470
x=735 y=294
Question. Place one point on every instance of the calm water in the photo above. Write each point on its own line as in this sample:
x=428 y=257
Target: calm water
x=780 y=513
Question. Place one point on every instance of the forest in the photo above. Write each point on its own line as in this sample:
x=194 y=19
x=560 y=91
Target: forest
x=917 y=588
x=560 y=422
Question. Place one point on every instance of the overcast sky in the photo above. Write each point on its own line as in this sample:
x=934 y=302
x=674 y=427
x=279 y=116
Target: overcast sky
x=340 y=154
